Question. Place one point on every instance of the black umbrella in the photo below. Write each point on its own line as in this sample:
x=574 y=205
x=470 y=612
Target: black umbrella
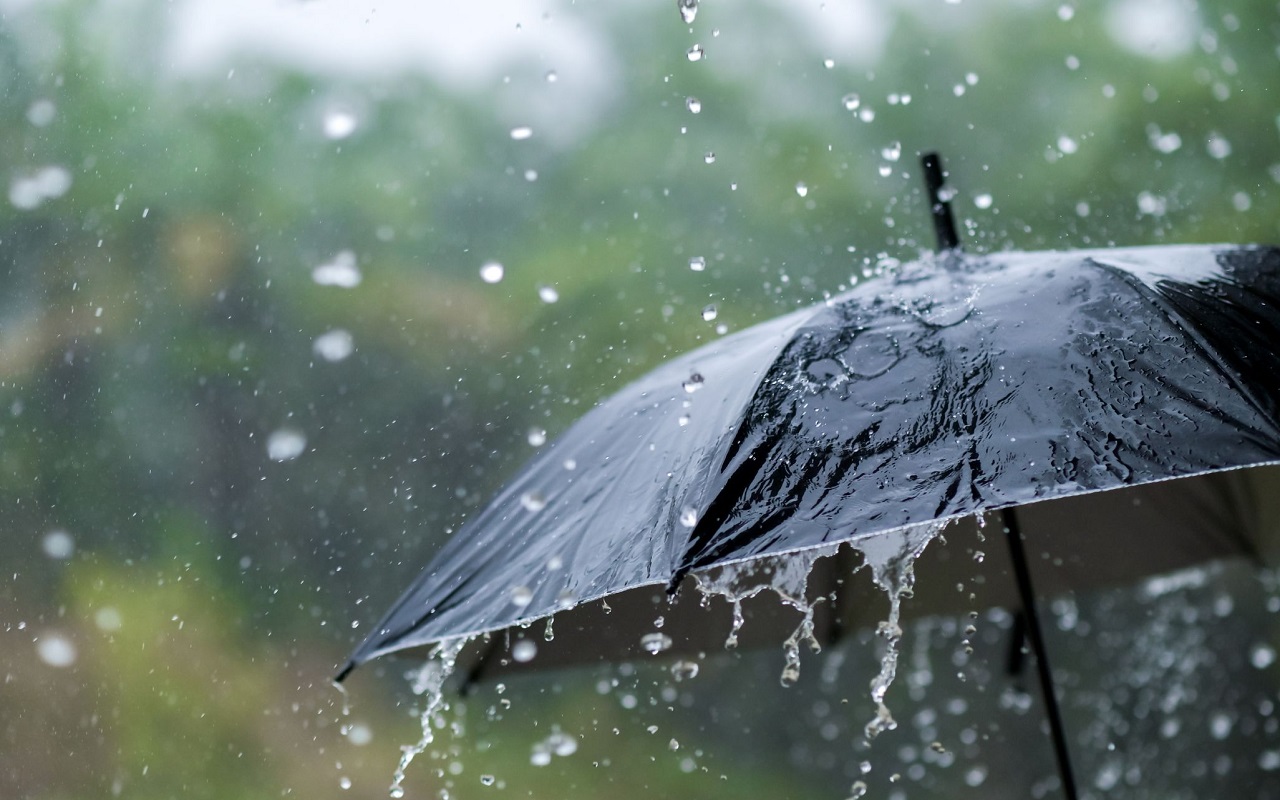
x=948 y=388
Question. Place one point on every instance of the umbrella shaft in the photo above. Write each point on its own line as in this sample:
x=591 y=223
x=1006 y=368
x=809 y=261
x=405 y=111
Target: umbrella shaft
x=1022 y=574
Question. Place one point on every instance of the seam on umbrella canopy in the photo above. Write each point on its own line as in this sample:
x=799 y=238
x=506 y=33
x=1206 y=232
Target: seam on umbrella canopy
x=1198 y=264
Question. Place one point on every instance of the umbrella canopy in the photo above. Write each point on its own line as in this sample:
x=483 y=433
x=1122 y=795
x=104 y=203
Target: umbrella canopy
x=945 y=388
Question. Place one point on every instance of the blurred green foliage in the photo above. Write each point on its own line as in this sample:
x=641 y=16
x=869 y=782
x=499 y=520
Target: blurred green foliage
x=158 y=317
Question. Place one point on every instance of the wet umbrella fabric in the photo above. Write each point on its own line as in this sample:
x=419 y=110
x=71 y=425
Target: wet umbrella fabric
x=947 y=388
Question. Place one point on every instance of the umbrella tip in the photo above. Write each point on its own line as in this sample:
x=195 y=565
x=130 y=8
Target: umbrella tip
x=345 y=672
x=944 y=225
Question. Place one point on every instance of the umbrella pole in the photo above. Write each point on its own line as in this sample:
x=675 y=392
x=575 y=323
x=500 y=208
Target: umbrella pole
x=1057 y=730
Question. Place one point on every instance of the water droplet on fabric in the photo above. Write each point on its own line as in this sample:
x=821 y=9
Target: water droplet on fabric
x=694 y=383
x=340 y=271
x=697 y=263
x=693 y=104
x=533 y=501
x=688 y=517
x=286 y=444
x=688 y=10
x=521 y=596
x=695 y=53
x=654 y=643
x=709 y=313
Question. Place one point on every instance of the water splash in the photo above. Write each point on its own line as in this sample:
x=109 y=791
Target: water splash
x=788 y=577
x=428 y=682
x=892 y=558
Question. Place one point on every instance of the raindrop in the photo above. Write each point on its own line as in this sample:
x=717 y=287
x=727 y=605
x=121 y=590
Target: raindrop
x=524 y=651
x=709 y=158
x=978 y=556
x=521 y=596
x=1065 y=13
x=533 y=501
x=334 y=345
x=552 y=77
x=58 y=544
x=108 y=619
x=521 y=133
x=548 y=294
x=1217 y=146
x=696 y=53
x=541 y=756
x=693 y=104
x=688 y=10
x=829 y=63
x=570 y=464
x=286 y=444
x=46 y=183
x=555 y=563
x=893 y=152
x=688 y=517
x=536 y=437
x=654 y=643
x=492 y=272
x=684 y=670
x=1262 y=656
x=697 y=263
x=983 y=200
x=344 y=782
x=694 y=383
x=56 y=650
x=486 y=780
x=802 y=189
x=709 y=313
x=1068 y=145
x=562 y=744
x=673 y=745
x=41 y=113
x=359 y=734
x=339 y=124
x=857 y=790
x=851 y=101
x=340 y=271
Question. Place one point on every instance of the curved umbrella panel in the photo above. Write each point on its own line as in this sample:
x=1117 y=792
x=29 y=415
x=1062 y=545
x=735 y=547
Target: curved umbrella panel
x=958 y=385
x=603 y=508
x=1012 y=379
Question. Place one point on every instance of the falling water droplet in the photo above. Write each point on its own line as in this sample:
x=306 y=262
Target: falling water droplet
x=491 y=272
x=286 y=444
x=693 y=104
x=697 y=263
x=983 y=200
x=524 y=651
x=851 y=101
x=339 y=124
x=709 y=158
x=802 y=189
x=521 y=133
x=696 y=53
x=688 y=10
x=694 y=383
x=684 y=670
x=893 y=152
x=709 y=313
x=536 y=437
x=341 y=271
x=521 y=596
x=334 y=345
x=548 y=294
x=58 y=544
x=654 y=643
x=688 y=516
